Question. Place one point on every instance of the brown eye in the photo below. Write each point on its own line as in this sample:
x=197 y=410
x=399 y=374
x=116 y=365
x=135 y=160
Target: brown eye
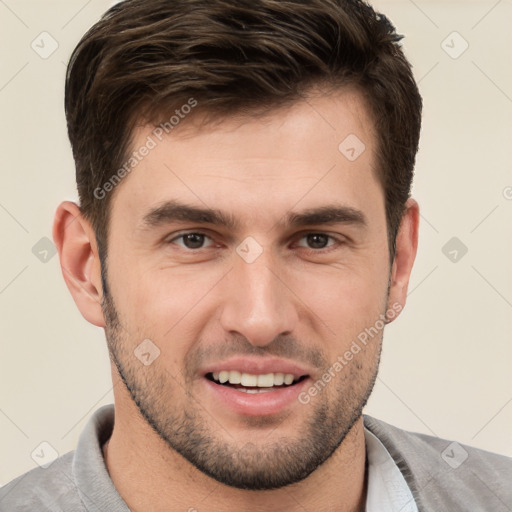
x=191 y=240
x=318 y=241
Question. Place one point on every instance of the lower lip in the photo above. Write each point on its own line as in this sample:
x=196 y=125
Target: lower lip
x=255 y=404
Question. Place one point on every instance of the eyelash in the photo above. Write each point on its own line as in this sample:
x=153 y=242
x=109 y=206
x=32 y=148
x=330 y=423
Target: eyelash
x=338 y=242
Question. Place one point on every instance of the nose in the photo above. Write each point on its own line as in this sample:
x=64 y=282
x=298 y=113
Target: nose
x=258 y=304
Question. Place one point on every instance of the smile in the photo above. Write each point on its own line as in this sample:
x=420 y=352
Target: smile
x=254 y=383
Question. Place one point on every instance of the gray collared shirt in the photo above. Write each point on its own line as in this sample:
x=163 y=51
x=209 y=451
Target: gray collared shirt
x=398 y=462
x=76 y=482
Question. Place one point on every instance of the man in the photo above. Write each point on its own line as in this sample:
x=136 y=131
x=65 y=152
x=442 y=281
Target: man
x=245 y=231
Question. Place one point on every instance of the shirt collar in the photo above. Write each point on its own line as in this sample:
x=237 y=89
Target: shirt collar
x=387 y=489
x=95 y=487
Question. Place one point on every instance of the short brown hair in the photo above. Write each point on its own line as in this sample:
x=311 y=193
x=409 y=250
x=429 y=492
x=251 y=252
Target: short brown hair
x=145 y=58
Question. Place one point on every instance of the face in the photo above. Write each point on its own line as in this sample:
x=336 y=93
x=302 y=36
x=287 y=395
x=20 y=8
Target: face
x=222 y=323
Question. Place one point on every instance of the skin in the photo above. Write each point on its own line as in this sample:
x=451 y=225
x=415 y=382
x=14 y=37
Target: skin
x=300 y=302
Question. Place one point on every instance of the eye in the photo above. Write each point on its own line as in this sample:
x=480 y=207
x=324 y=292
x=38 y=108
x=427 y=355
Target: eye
x=319 y=240
x=191 y=240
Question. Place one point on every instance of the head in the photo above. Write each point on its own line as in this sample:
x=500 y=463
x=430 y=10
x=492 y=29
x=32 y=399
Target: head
x=284 y=122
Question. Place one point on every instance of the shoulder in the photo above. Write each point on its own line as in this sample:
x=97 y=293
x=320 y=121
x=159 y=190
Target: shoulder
x=446 y=473
x=452 y=453
x=50 y=489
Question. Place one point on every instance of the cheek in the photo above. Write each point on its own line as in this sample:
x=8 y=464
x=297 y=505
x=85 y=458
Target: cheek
x=346 y=299
x=166 y=304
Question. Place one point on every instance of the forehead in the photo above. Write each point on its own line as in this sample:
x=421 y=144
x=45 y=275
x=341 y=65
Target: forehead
x=319 y=149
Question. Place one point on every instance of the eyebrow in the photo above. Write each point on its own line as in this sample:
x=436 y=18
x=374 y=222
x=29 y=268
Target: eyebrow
x=176 y=211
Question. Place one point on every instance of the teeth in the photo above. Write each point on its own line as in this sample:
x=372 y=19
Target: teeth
x=288 y=379
x=278 y=379
x=249 y=380
x=266 y=380
x=235 y=377
x=252 y=391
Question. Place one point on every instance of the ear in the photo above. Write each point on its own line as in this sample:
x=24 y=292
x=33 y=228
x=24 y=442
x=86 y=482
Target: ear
x=406 y=247
x=76 y=242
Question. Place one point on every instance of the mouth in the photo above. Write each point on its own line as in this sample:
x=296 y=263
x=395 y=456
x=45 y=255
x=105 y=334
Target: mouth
x=254 y=383
x=254 y=386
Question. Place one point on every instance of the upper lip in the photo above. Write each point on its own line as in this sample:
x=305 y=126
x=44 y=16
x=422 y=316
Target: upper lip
x=257 y=366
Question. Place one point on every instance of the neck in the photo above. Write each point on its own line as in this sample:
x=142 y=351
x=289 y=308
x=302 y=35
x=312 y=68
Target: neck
x=149 y=475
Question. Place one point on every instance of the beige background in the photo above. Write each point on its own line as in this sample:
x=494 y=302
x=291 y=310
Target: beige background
x=446 y=361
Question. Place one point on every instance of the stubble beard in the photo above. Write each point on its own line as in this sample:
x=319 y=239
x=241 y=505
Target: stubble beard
x=188 y=431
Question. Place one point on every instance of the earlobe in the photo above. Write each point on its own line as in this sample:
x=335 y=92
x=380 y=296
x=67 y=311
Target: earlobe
x=406 y=247
x=76 y=243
